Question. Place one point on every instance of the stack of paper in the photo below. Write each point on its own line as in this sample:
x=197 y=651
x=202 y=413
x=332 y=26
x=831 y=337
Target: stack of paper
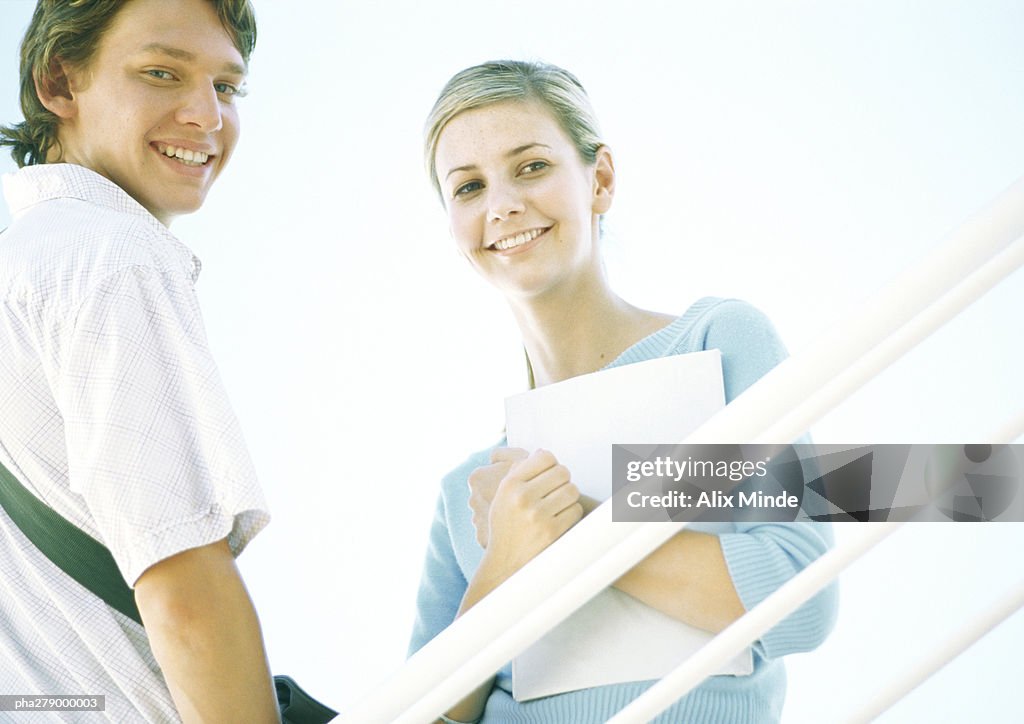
x=614 y=638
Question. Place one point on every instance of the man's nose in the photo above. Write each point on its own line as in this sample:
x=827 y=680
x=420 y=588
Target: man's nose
x=201 y=107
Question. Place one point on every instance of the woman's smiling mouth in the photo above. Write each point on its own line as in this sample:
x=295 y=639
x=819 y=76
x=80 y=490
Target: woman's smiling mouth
x=516 y=240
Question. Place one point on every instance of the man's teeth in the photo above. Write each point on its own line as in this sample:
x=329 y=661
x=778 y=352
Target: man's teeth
x=184 y=155
x=517 y=240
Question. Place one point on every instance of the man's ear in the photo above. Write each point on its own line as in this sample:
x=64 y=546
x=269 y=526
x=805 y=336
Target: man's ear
x=55 y=90
x=604 y=180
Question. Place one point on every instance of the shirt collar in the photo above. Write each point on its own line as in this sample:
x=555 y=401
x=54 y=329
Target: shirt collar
x=44 y=182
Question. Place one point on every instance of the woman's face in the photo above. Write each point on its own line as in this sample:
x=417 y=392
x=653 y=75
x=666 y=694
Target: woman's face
x=522 y=205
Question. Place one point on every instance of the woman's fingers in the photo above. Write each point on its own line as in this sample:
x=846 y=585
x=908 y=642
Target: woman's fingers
x=539 y=496
x=484 y=480
x=569 y=517
x=508 y=454
x=535 y=503
x=559 y=499
x=532 y=466
x=483 y=485
x=527 y=479
x=551 y=487
x=533 y=483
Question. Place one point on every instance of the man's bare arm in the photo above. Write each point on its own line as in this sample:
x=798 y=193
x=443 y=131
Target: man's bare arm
x=206 y=636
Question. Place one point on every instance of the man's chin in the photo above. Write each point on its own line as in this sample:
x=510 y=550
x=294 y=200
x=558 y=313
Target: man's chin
x=166 y=210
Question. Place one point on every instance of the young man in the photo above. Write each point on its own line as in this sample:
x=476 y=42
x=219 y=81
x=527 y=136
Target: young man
x=112 y=409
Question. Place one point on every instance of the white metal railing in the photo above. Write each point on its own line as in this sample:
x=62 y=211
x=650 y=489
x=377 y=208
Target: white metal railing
x=972 y=287
x=752 y=625
x=779 y=407
x=1011 y=602
x=1011 y=430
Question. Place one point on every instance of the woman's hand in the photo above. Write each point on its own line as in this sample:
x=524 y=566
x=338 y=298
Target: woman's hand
x=483 y=484
x=534 y=504
x=521 y=504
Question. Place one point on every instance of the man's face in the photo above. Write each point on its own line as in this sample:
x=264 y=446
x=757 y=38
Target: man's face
x=154 y=109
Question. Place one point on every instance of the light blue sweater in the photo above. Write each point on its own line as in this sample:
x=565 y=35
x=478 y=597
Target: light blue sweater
x=760 y=556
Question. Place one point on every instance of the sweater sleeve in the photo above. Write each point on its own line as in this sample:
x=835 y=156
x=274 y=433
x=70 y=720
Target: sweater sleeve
x=442 y=584
x=763 y=556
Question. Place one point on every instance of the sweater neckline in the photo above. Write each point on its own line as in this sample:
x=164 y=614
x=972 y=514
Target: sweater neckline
x=650 y=346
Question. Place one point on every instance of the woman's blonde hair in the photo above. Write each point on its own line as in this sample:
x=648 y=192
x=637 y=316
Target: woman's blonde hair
x=505 y=80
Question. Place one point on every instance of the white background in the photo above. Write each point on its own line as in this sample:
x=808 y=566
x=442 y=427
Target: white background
x=794 y=154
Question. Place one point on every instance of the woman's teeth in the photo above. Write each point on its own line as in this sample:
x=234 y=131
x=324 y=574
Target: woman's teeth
x=517 y=240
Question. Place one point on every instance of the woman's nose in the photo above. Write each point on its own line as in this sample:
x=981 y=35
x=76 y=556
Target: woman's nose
x=503 y=202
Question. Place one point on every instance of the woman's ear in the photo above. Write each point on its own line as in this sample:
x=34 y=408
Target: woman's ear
x=604 y=180
x=54 y=90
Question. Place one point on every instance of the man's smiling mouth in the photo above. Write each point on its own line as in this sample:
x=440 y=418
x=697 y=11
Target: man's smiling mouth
x=510 y=242
x=183 y=155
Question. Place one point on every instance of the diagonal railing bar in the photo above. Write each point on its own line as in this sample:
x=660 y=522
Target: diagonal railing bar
x=752 y=625
x=1009 y=431
x=532 y=601
x=595 y=553
x=966 y=292
x=970 y=633
x=982 y=237
x=1011 y=602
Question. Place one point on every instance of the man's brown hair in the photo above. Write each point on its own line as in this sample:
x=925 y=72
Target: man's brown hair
x=69 y=32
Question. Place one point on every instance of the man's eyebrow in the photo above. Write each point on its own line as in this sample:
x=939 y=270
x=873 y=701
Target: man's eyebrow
x=514 y=152
x=180 y=54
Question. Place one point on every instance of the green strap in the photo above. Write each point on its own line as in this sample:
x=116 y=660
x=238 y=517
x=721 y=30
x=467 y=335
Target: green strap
x=89 y=562
x=72 y=550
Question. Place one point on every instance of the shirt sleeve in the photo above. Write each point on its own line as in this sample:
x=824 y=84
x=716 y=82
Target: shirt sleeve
x=153 y=446
x=763 y=556
x=442 y=584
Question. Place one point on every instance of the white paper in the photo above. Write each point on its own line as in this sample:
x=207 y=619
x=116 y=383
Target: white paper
x=614 y=638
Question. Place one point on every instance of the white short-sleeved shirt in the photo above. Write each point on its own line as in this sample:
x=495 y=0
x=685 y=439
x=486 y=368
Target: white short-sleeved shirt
x=112 y=411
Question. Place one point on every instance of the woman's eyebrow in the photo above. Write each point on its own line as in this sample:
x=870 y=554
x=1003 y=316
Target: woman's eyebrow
x=186 y=55
x=526 y=147
x=514 y=152
x=470 y=167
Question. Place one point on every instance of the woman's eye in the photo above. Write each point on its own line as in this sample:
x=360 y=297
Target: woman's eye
x=534 y=166
x=159 y=74
x=468 y=188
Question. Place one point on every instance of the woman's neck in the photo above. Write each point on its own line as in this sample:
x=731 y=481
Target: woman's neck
x=574 y=331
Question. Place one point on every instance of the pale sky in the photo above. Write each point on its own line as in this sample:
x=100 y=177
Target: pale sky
x=794 y=154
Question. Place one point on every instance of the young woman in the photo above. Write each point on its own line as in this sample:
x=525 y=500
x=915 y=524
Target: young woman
x=514 y=151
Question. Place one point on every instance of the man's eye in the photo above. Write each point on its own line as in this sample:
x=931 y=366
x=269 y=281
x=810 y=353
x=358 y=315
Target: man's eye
x=159 y=74
x=228 y=89
x=468 y=188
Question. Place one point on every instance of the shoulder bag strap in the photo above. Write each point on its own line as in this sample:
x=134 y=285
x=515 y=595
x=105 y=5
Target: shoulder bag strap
x=69 y=548
x=90 y=563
